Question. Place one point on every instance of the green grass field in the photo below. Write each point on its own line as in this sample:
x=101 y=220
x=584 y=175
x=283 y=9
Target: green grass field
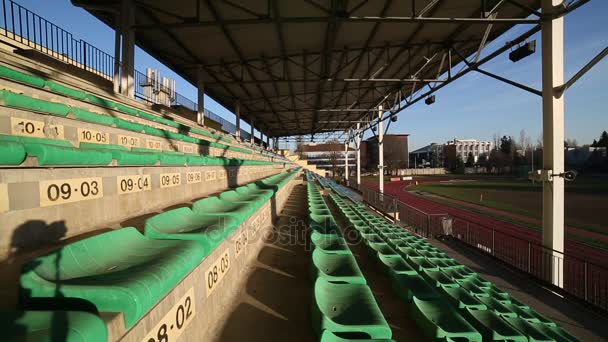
x=585 y=201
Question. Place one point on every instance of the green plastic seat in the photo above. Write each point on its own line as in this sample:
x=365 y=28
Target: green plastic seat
x=233 y=196
x=185 y=224
x=421 y=263
x=497 y=307
x=393 y=263
x=493 y=327
x=529 y=315
x=347 y=308
x=333 y=267
x=460 y=273
x=252 y=189
x=214 y=206
x=49 y=152
x=21 y=77
x=128 y=125
x=85 y=115
x=377 y=249
x=196 y=160
x=556 y=333
x=12 y=153
x=123 y=155
x=438 y=278
x=461 y=298
x=439 y=321
x=532 y=331
x=118 y=271
x=10 y=99
x=66 y=91
x=328 y=336
x=167 y=158
x=409 y=286
x=51 y=326
x=329 y=243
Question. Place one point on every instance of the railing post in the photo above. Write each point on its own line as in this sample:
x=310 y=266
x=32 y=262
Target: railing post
x=467 y=237
x=493 y=251
x=84 y=54
x=585 y=282
x=529 y=256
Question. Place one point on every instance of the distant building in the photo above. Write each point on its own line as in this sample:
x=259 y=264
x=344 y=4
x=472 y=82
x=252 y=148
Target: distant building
x=427 y=156
x=324 y=156
x=396 y=152
x=455 y=148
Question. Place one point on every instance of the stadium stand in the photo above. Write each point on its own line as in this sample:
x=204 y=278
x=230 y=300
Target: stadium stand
x=447 y=300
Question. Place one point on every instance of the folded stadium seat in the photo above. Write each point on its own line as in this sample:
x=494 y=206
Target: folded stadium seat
x=394 y=264
x=252 y=189
x=233 y=196
x=18 y=76
x=528 y=314
x=409 y=286
x=10 y=99
x=49 y=152
x=439 y=321
x=118 y=271
x=185 y=224
x=492 y=327
x=329 y=243
x=348 y=308
x=340 y=268
x=50 y=326
x=444 y=263
x=438 y=278
x=477 y=281
x=214 y=207
x=461 y=298
x=85 y=115
x=497 y=307
x=168 y=158
x=406 y=251
x=196 y=160
x=128 y=125
x=11 y=153
x=421 y=263
x=123 y=155
x=533 y=331
x=377 y=249
x=554 y=332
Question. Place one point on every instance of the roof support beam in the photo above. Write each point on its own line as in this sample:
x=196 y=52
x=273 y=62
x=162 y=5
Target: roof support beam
x=338 y=19
x=239 y=53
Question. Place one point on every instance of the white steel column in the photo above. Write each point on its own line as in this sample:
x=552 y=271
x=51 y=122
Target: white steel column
x=200 y=112
x=380 y=150
x=553 y=140
x=127 y=82
x=346 y=163
x=252 y=136
x=358 y=155
x=237 y=112
x=116 y=79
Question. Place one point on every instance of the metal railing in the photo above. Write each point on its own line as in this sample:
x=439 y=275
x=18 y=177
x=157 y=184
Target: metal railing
x=580 y=278
x=29 y=29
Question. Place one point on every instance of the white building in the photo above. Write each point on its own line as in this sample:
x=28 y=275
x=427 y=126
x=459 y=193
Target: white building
x=462 y=147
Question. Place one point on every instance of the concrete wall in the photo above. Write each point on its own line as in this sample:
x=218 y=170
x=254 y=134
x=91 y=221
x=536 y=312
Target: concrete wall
x=37 y=209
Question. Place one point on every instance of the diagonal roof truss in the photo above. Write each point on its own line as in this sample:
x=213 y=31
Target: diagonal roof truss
x=309 y=66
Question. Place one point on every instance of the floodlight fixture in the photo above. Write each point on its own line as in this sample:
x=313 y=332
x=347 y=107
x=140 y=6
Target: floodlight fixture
x=523 y=51
x=394 y=118
x=430 y=100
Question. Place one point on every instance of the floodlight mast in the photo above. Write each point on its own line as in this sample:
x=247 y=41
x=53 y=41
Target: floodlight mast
x=380 y=153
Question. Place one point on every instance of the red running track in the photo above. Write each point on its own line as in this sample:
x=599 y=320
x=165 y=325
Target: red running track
x=573 y=248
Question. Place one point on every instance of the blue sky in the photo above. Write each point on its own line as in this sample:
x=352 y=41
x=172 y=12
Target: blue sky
x=475 y=106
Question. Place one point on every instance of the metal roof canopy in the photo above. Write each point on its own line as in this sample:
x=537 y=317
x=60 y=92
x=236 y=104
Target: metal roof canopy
x=306 y=66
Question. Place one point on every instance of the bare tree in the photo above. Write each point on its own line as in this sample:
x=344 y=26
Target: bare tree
x=539 y=142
